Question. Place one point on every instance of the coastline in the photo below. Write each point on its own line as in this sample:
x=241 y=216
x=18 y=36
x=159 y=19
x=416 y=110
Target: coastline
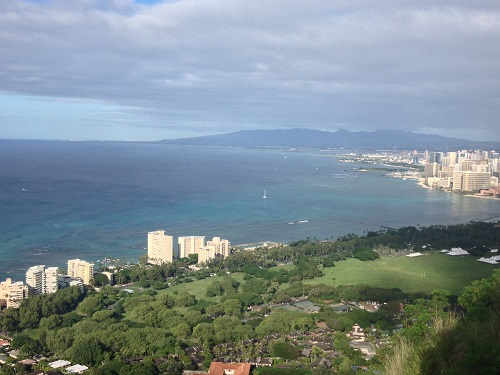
x=421 y=183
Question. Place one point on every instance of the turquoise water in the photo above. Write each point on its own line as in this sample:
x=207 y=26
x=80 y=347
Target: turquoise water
x=64 y=200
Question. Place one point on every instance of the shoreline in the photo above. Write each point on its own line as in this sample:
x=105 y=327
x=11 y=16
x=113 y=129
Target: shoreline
x=421 y=183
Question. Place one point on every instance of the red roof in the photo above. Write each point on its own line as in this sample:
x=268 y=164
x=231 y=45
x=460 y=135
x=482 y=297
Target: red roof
x=221 y=368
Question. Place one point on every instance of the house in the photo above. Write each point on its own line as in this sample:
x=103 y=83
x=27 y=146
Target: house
x=28 y=362
x=321 y=362
x=76 y=369
x=306 y=352
x=366 y=348
x=357 y=333
x=14 y=353
x=260 y=362
x=220 y=368
x=59 y=364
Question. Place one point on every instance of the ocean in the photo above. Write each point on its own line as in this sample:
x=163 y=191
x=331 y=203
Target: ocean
x=90 y=200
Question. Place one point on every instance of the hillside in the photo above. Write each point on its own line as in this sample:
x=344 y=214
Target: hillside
x=380 y=139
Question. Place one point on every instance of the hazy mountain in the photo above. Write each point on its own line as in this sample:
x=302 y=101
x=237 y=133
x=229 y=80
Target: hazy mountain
x=380 y=139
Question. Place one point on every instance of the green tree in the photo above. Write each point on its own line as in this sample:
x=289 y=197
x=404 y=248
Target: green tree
x=285 y=350
x=111 y=368
x=139 y=369
x=182 y=331
x=204 y=332
x=86 y=351
x=51 y=322
x=232 y=307
x=229 y=285
x=255 y=286
x=90 y=305
x=9 y=320
x=185 y=299
x=214 y=289
x=7 y=370
x=60 y=340
x=100 y=279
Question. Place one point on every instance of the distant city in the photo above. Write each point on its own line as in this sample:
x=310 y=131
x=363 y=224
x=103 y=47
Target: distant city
x=468 y=172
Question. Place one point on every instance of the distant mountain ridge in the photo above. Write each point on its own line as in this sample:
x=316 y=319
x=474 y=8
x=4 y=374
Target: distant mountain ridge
x=310 y=138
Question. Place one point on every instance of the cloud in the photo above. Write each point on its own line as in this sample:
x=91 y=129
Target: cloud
x=205 y=66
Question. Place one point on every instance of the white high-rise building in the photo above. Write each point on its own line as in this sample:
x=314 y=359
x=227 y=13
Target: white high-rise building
x=51 y=280
x=41 y=279
x=190 y=245
x=80 y=269
x=160 y=247
x=34 y=278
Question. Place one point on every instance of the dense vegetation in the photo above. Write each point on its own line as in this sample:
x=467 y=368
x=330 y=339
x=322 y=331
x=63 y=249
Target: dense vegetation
x=157 y=331
x=439 y=339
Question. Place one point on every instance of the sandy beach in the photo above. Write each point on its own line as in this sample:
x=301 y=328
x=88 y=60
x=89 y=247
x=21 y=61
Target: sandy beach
x=422 y=183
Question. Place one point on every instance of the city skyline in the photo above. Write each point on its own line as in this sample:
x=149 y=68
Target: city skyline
x=151 y=70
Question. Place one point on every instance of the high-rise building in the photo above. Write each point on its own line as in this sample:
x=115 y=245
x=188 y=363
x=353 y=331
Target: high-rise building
x=190 y=245
x=431 y=170
x=471 y=181
x=436 y=157
x=80 y=269
x=41 y=279
x=453 y=157
x=51 y=281
x=495 y=165
x=34 y=278
x=466 y=165
x=474 y=181
x=217 y=247
x=481 y=168
x=160 y=247
x=12 y=293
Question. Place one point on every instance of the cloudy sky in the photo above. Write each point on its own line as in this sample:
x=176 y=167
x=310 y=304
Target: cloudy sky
x=147 y=70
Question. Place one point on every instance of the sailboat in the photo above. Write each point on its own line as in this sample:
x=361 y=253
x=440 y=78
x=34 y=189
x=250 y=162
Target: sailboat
x=264 y=196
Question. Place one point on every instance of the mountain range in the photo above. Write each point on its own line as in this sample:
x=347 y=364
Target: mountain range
x=310 y=138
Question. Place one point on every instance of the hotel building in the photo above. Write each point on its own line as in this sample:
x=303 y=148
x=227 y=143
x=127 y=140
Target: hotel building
x=12 y=293
x=42 y=280
x=160 y=247
x=188 y=245
x=217 y=247
x=471 y=181
x=80 y=269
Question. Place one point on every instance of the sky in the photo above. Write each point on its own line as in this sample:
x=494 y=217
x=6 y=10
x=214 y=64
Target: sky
x=149 y=70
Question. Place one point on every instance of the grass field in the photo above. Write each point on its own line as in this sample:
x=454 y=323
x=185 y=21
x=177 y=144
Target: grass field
x=199 y=287
x=425 y=273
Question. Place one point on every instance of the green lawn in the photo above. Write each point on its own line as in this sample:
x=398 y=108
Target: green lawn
x=441 y=272
x=199 y=287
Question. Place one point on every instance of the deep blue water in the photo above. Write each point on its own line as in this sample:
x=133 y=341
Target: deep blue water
x=64 y=200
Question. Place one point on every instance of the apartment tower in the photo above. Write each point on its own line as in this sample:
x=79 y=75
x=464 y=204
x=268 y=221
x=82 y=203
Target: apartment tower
x=80 y=269
x=215 y=248
x=190 y=245
x=160 y=247
x=41 y=279
x=12 y=293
